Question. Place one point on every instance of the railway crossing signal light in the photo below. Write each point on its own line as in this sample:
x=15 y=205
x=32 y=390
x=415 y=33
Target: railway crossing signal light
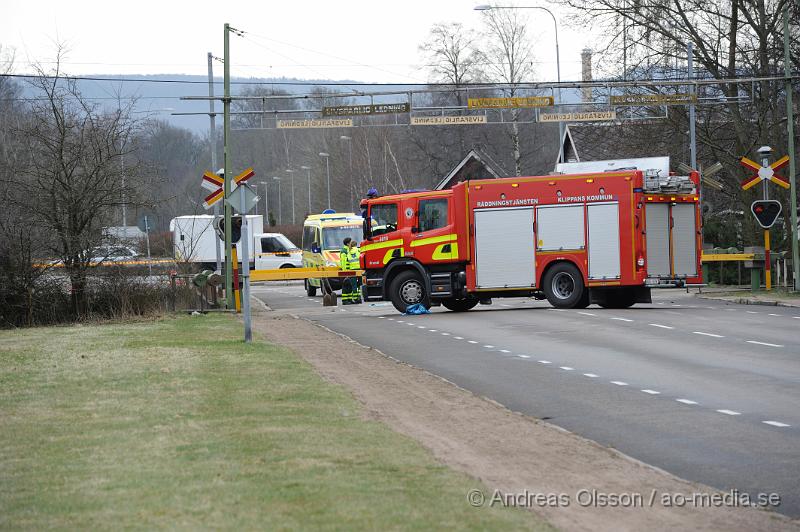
x=766 y=212
x=236 y=228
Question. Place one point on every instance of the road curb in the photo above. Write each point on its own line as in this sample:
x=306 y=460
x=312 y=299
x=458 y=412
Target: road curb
x=749 y=301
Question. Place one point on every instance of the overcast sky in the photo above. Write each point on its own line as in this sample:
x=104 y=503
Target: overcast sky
x=370 y=41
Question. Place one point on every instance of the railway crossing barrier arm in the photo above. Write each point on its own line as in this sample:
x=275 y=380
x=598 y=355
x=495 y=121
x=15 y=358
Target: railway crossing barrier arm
x=296 y=274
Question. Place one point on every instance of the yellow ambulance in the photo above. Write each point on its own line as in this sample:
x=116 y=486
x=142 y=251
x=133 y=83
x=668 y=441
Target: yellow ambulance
x=323 y=237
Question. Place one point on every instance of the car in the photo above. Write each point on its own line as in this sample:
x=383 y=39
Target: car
x=114 y=255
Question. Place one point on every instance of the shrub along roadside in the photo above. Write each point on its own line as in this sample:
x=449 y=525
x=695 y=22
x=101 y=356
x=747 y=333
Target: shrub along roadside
x=176 y=422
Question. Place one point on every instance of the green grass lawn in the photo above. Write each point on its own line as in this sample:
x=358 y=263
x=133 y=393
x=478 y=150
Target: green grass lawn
x=178 y=424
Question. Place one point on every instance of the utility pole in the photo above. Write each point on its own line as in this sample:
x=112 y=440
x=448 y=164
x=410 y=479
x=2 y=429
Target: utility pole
x=212 y=116
x=226 y=130
x=792 y=163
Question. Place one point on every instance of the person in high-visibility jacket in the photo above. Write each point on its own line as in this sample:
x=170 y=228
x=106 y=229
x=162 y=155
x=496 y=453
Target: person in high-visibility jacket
x=348 y=260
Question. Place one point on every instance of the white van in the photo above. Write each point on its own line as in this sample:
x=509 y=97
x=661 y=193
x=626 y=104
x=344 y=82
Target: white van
x=196 y=241
x=274 y=250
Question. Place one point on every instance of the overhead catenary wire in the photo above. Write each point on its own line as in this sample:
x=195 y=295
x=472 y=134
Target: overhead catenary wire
x=328 y=83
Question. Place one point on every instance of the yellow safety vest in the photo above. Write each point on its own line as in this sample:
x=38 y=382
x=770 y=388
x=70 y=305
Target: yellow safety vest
x=349 y=261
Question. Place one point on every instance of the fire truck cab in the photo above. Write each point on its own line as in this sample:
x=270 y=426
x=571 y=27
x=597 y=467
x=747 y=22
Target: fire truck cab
x=575 y=239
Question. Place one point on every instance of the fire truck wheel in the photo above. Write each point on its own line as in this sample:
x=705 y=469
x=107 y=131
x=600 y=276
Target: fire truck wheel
x=311 y=291
x=563 y=286
x=459 y=305
x=408 y=289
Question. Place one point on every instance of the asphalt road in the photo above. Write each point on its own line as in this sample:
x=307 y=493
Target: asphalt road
x=707 y=390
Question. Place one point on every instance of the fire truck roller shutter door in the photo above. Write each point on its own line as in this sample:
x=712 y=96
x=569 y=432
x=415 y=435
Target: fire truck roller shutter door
x=657 y=220
x=604 y=259
x=684 y=240
x=504 y=248
x=559 y=227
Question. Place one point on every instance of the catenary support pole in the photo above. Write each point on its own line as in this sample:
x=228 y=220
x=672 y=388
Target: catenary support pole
x=212 y=140
x=226 y=128
x=792 y=163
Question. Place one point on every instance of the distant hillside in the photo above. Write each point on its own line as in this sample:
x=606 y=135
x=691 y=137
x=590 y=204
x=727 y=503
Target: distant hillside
x=163 y=91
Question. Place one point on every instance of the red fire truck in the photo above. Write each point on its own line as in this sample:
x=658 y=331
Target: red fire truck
x=575 y=239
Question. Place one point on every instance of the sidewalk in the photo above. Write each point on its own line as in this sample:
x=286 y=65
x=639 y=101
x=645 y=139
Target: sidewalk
x=744 y=296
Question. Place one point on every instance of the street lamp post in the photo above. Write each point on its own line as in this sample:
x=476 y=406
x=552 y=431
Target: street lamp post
x=350 y=146
x=558 y=65
x=266 y=201
x=291 y=182
x=280 y=206
x=308 y=177
x=328 y=170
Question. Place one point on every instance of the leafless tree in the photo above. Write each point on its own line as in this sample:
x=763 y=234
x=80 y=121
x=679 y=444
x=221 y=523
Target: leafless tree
x=508 y=58
x=70 y=182
x=731 y=39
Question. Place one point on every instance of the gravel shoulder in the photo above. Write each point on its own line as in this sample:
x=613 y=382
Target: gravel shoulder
x=509 y=452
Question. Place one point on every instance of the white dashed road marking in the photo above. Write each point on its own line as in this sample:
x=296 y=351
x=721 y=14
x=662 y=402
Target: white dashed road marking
x=472 y=341
x=751 y=311
x=651 y=392
x=773 y=314
x=420 y=326
x=619 y=383
x=686 y=401
x=587 y=313
x=622 y=319
x=458 y=337
x=776 y=424
x=763 y=343
x=433 y=330
x=381 y=317
x=505 y=351
x=523 y=356
x=489 y=346
x=445 y=334
x=661 y=326
x=566 y=368
x=590 y=375
x=729 y=412
x=545 y=362
x=712 y=335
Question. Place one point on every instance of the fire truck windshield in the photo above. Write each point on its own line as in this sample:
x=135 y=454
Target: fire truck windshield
x=333 y=237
